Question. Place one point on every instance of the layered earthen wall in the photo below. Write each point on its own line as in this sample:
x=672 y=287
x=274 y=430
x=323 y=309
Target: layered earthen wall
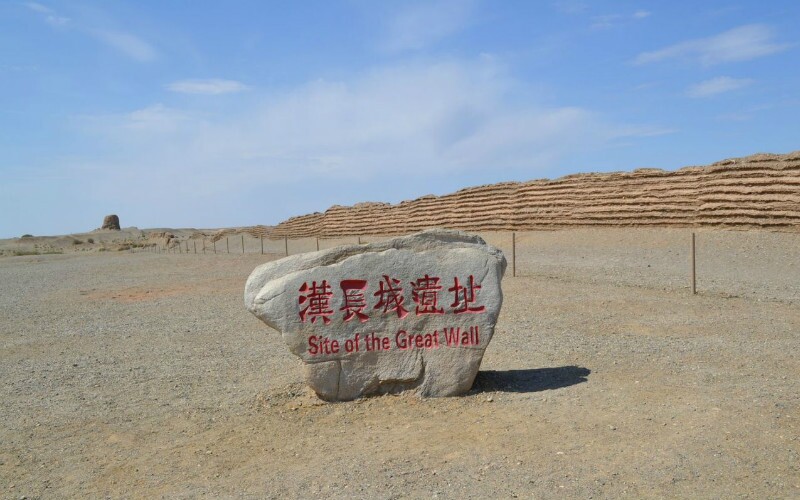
x=760 y=191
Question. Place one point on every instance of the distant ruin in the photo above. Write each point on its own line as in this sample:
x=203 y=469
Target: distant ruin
x=110 y=222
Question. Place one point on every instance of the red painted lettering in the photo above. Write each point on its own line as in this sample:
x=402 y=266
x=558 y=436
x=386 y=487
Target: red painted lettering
x=354 y=300
x=464 y=296
x=318 y=302
x=391 y=297
x=425 y=293
x=322 y=345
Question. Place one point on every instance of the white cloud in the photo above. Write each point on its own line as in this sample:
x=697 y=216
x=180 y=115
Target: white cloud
x=422 y=119
x=739 y=44
x=50 y=16
x=424 y=23
x=130 y=45
x=716 y=86
x=210 y=86
x=156 y=118
x=611 y=20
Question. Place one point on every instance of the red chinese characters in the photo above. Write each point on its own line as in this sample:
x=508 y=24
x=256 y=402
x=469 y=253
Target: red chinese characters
x=315 y=299
x=425 y=293
x=354 y=299
x=391 y=297
x=464 y=296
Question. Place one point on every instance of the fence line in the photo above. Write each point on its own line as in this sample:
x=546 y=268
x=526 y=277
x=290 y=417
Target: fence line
x=303 y=245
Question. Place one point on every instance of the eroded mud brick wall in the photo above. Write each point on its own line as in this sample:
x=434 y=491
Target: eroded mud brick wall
x=760 y=191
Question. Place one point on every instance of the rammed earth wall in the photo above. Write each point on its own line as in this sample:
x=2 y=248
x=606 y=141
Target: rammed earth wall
x=760 y=191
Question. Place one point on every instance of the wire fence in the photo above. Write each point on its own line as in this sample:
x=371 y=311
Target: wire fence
x=732 y=263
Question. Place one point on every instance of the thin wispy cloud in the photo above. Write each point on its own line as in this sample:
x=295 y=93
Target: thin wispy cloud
x=421 y=119
x=716 y=86
x=50 y=16
x=612 y=20
x=424 y=23
x=739 y=44
x=126 y=43
x=212 y=86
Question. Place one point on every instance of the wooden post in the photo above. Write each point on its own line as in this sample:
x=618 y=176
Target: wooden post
x=286 y=244
x=187 y=246
x=317 y=243
x=359 y=240
x=694 y=274
x=262 y=245
x=215 y=246
x=242 y=243
x=227 y=245
x=194 y=244
x=513 y=255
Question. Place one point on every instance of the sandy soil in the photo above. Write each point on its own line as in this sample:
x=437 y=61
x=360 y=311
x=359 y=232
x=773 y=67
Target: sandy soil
x=142 y=375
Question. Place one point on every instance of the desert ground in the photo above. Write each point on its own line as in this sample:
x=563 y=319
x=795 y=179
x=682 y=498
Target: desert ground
x=140 y=374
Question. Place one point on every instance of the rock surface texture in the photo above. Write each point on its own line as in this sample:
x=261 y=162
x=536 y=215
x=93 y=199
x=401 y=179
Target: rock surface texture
x=412 y=313
x=110 y=222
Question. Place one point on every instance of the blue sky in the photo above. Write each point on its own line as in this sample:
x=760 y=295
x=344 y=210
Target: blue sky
x=210 y=114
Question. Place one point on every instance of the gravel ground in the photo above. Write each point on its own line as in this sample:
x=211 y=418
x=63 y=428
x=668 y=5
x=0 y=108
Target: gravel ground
x=142 y=375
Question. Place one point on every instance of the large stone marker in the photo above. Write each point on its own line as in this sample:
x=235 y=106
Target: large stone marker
x=411 y=313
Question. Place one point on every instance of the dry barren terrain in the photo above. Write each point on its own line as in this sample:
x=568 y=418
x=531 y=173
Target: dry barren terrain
x=142 y=375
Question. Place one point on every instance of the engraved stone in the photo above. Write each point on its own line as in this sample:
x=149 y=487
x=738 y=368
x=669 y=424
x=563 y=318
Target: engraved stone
x=413 y=313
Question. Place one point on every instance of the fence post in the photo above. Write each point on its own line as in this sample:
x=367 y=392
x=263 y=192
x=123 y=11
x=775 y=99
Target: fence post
x=227 y=244
x=317 y=243
x=187 y=246
x=694 y=274
x=359 y=240
x=286 y=244
x=215 y=246
x=513 y=254
x=194 y=244
x=262 y=245
x=242 y=243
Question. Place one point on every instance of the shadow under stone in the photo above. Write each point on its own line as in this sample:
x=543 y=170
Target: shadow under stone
x=530 y=380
